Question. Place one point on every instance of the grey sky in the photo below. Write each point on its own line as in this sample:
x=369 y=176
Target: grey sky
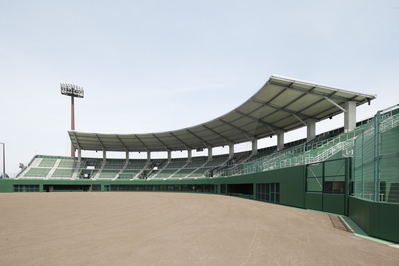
x=153 y=66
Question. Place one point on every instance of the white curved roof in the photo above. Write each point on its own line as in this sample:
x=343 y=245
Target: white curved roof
x=281 y=104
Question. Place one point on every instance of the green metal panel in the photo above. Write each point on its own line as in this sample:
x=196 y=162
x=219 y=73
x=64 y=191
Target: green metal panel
x=334 y=203
x=6 y=185
x=378 y=219
x=314 y=201
x=364 y=214
x=389 y=221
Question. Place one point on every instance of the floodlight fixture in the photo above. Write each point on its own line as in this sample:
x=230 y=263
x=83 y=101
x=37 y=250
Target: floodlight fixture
x=72 y=91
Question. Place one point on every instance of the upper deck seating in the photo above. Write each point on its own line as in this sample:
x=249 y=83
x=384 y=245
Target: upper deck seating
x=37 y=172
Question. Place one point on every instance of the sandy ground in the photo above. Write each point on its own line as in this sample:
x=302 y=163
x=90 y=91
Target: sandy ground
x=138 y=228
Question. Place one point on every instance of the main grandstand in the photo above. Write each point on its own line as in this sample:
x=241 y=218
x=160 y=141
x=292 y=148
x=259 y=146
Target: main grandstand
x=350 y=171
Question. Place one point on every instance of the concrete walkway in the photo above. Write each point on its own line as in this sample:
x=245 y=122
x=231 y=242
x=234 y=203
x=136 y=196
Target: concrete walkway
x=140 y=228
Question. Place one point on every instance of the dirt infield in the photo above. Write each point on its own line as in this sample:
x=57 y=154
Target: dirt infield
x=141 y=228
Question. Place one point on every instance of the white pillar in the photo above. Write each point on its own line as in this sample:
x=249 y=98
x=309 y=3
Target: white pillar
x=189 y=154
x=254 y=146
x=79 y=155
x=280 y=140
x=169 y=155
x=231 y=150
x=350 y=116
x=148 y=156
x=210 y=153
x=311 y=129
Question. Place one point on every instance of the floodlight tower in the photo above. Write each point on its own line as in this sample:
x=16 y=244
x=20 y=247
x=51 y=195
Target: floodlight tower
x=73 y=91
x=4 y=159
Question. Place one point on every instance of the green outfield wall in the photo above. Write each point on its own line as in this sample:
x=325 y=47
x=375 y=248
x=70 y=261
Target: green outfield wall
x=378 y=219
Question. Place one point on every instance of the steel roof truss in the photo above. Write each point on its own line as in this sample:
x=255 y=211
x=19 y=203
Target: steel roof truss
x=246 y=133
x=76 y=139
x=258 y=119
x=185 y=144
x=223 y=137
x=281 y=108
x=299 y=119
x=312 y=91
x=334 y=103
x=123 y=144
x=166 y=146
x=142 y=143
x=201 y=139
x=99 y=140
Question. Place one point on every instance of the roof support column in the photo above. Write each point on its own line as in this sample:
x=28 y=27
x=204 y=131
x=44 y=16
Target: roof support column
x=280 y=140
x=189 y=154
x=169 y=156
x=210 y=153
x=254 y=146
x=104 y=156
x=79 y=155
x=231 y=150
x=311 y=129
x=350 y=116
x=148 y=156
x=127 y=156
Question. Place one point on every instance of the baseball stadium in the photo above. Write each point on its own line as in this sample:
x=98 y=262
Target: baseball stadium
x=323 y=198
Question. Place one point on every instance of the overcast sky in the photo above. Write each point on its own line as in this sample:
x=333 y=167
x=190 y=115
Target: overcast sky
x=154 y=66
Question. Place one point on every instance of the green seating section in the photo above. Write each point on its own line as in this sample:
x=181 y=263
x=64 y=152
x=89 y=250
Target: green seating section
x=200 y=172
x=60 y=172
x=109 y=174
x=217 y=160
x=128 y=174
x=197 y=162
x=47 y=162
x=37 y=172
x=67 y=163
x=177 y=163
x=114 y=164
x=136 y=164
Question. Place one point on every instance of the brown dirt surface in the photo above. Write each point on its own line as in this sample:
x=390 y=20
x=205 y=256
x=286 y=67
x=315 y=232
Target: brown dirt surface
x=140 y=228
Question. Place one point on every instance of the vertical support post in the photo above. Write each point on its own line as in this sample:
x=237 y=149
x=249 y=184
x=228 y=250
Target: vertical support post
x=231 y=150
x=79 y=155
x=148 y=156
x=169 y=155
x=4 y=159
x=72 y=123
x=280 y=140
x=254 y=146
x=210 y=153
x=311 y=129
x=377 y=141
x=350 y=116
x=127 y=156
x=189 y=154
x=104 y=156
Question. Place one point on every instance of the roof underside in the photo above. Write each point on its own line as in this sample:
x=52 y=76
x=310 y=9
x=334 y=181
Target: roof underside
x=282 y=104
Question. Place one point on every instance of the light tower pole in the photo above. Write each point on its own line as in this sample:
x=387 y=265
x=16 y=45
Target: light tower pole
x=4 y=159
x=72 y=91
